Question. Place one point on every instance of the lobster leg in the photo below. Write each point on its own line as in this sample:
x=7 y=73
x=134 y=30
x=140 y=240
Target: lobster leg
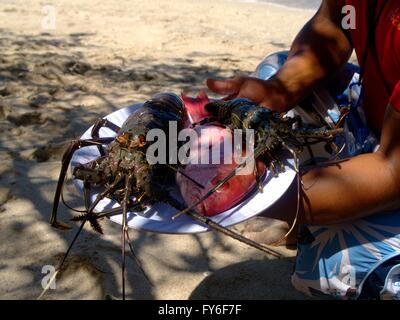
x=75 y=145
x=276 y=166
x=106 y=213
x=90 y=207
x=114 y=212
x=100 y=123
x=91 y=216
x=85 y=218
x=295 y=154
x=93 y=222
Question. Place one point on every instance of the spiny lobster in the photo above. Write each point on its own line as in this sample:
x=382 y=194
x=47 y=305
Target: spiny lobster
x=127 y=177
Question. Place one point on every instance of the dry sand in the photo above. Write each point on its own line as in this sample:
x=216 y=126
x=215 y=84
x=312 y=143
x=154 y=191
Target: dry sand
x=101 y=56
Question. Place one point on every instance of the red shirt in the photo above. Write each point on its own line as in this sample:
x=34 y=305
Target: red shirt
x=382 y=69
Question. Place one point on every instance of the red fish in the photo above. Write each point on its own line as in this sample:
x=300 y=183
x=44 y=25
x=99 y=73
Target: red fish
x=208 y=175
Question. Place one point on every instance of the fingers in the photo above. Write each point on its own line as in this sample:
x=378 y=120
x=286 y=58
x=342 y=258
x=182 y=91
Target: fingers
x=226 y=87
x=243 y=87
x=257 y=90
x=230 y=97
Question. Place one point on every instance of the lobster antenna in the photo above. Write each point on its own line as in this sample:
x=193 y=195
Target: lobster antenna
x=180 y=172
x=52 y=279
x=127 y=191
x=186 y=176
x=137 y=259
x=230 y=233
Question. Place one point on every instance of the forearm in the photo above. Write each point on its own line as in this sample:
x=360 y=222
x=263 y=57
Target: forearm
x=320 y=49
x=348 y=190
x=357 y=187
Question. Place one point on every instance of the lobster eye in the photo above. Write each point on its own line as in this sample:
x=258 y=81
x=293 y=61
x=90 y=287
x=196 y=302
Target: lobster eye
x=123 y=138
x=142 y=138
x=138 y=141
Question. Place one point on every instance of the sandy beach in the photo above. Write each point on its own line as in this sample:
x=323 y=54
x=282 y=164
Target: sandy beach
x=63 y=64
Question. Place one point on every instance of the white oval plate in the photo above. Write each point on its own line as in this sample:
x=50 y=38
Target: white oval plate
x=158 y=217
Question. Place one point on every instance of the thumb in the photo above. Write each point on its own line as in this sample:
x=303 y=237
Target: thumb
x=224 y=86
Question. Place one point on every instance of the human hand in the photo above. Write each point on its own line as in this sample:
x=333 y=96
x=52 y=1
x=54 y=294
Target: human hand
x=267 y=93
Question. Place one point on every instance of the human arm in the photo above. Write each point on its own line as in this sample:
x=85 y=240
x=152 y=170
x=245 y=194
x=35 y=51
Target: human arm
x=356 y=187
x=359 y=186
x=320 y=49
x=343 y=191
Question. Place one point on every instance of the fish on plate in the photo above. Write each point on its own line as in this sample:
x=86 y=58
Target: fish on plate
x=208 y=164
